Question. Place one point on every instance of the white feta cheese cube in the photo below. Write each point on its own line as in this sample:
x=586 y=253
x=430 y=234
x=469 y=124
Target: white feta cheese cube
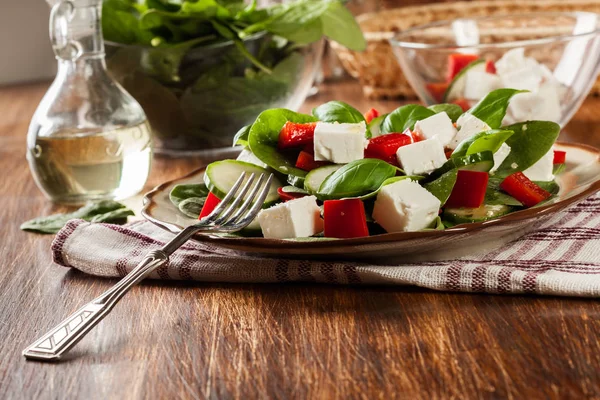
x=499 y=156
x=468 y=125
x=527 y=77
x=479 y=83
x=295 y=218
x=542 y=170
x=421 y=158
x=439 y=125
x=248 y=156
x=543 y=105
x=511 y=60
x=405 y=206
x=339 y=143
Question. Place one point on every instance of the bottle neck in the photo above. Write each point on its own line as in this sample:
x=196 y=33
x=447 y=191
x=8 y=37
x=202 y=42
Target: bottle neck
x=75 y=29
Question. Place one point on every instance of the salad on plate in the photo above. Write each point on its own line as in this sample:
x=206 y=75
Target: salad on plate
x=342 y=174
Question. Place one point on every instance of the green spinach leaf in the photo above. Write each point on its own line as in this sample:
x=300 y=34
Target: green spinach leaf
x=183 y=192
x=108 y=211
x=494 y=196
x=454 y=111
x=338 y=111
x=264 y=135
x=241 y=137
x=492 y=108
x=405 y=117
x=442 y=186
x=356 y=179
x=483 y=141
x=530 y=141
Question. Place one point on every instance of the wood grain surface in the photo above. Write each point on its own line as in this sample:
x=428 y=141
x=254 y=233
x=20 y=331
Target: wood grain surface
x=221 y=341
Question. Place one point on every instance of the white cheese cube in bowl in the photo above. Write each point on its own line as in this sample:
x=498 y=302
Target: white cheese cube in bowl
x=543 y=105
x=339 y=143
x=421 y=158
x=525 y=78
x=468 y=125
x=499 y=156
x=295 y=218
x=439 y=125
x=542 y=169
x=479 y=83
x=405 y=206
x=510 y=61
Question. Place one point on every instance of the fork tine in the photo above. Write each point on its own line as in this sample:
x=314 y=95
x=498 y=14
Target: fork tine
x=249 y=200
x=219 y=209
x=250 y=215
x=238 y=199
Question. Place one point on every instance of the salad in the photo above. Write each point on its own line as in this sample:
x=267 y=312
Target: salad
x=469 y=78
x=342 y=174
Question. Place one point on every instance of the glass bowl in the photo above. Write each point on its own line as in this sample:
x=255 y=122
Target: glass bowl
x=197 y=99
x=563 y=47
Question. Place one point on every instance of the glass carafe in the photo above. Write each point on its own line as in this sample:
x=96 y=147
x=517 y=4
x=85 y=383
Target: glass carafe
x=88 y=139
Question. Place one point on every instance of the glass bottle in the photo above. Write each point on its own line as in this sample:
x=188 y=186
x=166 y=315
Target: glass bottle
x=88 y=139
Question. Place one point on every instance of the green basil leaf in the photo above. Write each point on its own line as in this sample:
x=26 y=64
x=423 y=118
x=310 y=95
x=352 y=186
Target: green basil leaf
x=530 y=141
x=483 y=141
x=356 y=179
x=494 y=196
x=405 y=117
x=442 y=186
x=454 y=111
x=338 y=111
x=183 y=192
x=264 y=135
x=558 y=169
x=492 y=108
x=436 y=225
x=549 y=186
x=241 y=136
x=388 y=181
x=109 y=211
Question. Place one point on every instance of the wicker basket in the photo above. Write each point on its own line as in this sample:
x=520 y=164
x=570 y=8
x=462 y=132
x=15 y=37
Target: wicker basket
x=377 y=68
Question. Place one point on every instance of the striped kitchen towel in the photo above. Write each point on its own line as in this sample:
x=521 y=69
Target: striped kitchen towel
x=561 y=257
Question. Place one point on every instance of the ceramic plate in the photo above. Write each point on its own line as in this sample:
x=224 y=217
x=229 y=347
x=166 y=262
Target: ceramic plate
x=580 y=179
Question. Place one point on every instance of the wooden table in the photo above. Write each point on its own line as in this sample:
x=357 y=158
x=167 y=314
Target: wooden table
x=196 y=340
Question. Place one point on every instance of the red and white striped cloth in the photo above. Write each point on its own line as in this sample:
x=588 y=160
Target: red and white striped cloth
x=561 y=257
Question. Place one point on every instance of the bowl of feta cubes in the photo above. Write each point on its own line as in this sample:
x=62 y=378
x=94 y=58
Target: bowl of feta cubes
x=418 y=180
x=553 y=57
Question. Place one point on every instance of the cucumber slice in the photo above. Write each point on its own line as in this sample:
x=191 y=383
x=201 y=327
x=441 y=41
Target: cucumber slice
x=456 y=89
x=220 y=176
x=295 y=180
x=468 y=215
x=313 y=180
x=483 y=161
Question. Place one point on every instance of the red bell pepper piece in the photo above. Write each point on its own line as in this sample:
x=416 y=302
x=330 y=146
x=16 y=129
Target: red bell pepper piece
x=371 y=114
x=523 y=189
x=469 y=189
x=385 y=147
x=448 y=153
x=344 y=218
x=560 y=157
x=457 y=62
x=306 y=161
x=296 y=135
x=463 y=103
x=490 y=67
x=284 y=196
x=414 y=135
x=209 y=205
x=437 y=90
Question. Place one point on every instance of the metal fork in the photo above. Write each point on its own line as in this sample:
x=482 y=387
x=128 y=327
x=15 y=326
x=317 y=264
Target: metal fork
x=228 y=216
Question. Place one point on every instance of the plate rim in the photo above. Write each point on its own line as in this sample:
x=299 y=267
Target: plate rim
x=262 y=243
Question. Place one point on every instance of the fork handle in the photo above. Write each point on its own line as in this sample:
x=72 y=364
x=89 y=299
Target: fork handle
x=64 y=336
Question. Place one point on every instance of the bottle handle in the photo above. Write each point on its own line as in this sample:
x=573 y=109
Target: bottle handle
x=60 y=17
